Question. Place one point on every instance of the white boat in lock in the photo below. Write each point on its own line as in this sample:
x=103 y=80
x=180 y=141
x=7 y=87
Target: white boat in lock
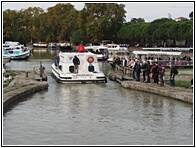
x=88 y=70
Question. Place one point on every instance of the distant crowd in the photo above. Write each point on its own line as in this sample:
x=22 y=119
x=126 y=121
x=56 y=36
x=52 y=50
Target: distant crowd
x=147 y=69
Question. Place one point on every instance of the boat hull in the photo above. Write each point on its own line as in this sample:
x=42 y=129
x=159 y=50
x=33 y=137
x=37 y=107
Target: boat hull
x=77 y=77
x=17 y=54
x=40 y=46
x=20 y=56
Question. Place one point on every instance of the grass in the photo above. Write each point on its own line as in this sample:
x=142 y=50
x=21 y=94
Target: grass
x=185 y=84
x=6 y=84
x=184 y=75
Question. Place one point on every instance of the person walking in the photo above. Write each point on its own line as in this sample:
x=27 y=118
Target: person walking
x=76 y=62
x=173 y=72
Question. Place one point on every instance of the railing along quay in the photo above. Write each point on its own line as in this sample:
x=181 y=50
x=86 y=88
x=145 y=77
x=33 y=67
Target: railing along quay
x=123 y=72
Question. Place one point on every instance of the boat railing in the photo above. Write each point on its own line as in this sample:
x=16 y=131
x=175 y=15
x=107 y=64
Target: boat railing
x=175 y=62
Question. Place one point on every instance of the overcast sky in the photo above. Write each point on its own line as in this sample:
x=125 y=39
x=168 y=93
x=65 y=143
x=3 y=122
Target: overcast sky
x=147 y=10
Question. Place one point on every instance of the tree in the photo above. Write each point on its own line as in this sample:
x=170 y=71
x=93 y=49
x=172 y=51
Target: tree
x=103 y=20
x=191 y=15
x=78 y=37
x=8 y=16
x=61 y=21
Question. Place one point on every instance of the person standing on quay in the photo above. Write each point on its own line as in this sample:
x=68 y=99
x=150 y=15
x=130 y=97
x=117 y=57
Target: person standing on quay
x=173 y=72
x=161 y=73
x=147 y=70
x=137 y=70
x=144 y=70
x=156 y=73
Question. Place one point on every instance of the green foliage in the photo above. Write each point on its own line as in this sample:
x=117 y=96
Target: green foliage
x=156 y=31
x=185 y=84
x=78 y=37
x=103 y=20
x=96 y=20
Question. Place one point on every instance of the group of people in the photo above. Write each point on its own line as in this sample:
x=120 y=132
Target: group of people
x=145 y=69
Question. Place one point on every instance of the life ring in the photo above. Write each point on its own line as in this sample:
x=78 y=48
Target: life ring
x=90 y=59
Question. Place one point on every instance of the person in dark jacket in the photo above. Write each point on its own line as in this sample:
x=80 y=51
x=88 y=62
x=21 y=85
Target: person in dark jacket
x=137 y=70
x=144 y=70
x=173 y=72
x=156 y=73
x=56 y=60
x=76 y=62
x=117 y=61
x=147 y=71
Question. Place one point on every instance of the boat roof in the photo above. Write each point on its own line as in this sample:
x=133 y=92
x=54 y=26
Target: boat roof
x=95 y=47
x=156 y=52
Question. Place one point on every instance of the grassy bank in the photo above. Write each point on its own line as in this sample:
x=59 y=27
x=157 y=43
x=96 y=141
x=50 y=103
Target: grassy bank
x=184 y=84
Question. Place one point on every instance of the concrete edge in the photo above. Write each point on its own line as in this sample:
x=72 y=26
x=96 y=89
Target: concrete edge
x=10 y=97
x=175 y=94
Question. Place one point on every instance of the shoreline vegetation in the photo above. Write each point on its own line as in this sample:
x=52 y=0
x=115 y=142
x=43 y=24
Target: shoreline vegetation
x=94 y=23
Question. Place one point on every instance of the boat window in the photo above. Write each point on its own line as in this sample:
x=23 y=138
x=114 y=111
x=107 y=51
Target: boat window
x=11 y=51
x=71 y=69
x=16 y=52
x=91 y=68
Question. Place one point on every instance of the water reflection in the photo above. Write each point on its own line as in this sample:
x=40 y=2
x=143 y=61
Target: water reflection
x=43 y=53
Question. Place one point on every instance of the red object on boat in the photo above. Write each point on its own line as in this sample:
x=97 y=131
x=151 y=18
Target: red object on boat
x=80 y=48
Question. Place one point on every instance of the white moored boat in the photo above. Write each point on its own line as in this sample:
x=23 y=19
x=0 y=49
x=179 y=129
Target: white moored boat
x=40 y=45
x=86 y=74
x=52 y=45
x=115 y=48
x=17 y=53
x=100 y=51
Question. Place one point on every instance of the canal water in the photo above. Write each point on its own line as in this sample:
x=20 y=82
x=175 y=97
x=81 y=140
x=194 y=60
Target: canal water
x=94 y=114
